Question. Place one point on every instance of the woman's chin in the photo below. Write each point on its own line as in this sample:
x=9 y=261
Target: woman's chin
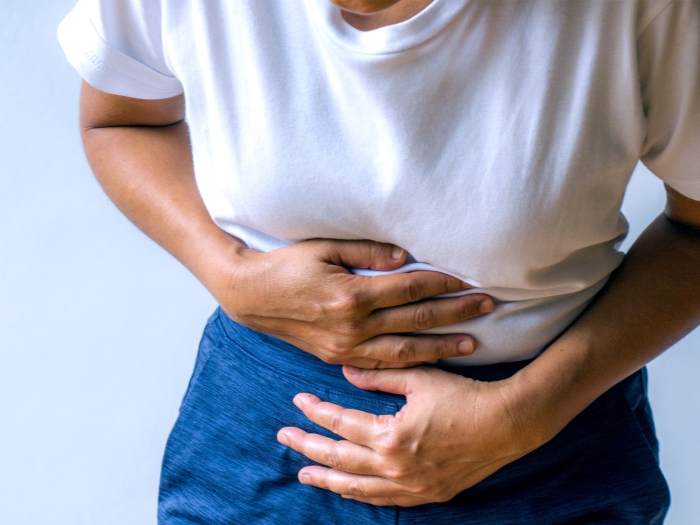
x=364 y=7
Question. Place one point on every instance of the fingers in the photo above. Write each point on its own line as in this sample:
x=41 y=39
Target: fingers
x=340 y=455
x=428 y=314
x=415 y=349
x=349 y=484
x=392 y=381
x=372 y=364
x=354 y=425
x=373 y=356
x=362 y=254
x=393 y=290
x=356 y=471
x=377 y=502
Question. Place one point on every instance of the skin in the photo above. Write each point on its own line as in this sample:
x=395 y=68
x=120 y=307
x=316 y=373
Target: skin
x=452 y=432
x=429 y=451
x=366 y=15
x=140 y=153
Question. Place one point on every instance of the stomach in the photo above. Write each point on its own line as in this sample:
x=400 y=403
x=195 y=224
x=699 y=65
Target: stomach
x=524 y=321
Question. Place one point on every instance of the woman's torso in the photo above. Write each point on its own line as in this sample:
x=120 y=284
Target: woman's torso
x=493 y=140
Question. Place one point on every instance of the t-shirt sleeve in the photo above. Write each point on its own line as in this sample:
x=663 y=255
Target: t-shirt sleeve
x=117 y=47
x=669 y=67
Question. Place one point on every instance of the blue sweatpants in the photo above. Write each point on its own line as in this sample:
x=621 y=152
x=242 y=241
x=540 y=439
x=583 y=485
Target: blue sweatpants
x=224 y=466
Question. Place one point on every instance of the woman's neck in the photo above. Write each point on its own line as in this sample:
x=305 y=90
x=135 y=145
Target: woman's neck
x=399 y=12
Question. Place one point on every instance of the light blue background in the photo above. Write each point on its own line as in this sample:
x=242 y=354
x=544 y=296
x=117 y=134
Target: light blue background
x=99 y=326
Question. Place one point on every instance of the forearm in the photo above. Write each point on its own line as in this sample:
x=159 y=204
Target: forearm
x=650 y=302
x=140 y=153
x=147 y=172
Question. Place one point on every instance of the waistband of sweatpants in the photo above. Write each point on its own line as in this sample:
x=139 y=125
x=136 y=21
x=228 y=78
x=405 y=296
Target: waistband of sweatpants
x=277 y=354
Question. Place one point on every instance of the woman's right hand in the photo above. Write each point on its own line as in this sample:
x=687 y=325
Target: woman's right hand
x=305 y=295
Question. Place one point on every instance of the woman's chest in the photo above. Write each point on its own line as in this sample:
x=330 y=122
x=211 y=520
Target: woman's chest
x=494 y=141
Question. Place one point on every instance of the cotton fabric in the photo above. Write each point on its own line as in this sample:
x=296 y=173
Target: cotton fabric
x=224 y=466
x=492 y=139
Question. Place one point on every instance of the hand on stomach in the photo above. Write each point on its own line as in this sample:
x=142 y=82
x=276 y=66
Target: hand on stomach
x=305 y=295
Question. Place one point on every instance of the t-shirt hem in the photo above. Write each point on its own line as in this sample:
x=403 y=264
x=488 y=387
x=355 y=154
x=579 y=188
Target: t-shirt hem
x=107 y=69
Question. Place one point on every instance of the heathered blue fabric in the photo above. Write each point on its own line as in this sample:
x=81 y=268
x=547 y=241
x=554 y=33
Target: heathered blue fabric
x=224 y=466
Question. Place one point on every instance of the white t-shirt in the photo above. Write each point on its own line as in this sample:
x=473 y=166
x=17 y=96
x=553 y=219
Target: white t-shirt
x=492 y=139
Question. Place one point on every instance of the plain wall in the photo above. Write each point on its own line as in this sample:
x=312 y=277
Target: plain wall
x=99 y=326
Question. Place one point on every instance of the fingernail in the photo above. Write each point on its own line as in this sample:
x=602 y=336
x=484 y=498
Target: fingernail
x=351 y=370
x=305 y=478
x=297 y=401
x=397 y=253
x=486 y=306
x=466 y=286
x=465 y=347
x=282 y=438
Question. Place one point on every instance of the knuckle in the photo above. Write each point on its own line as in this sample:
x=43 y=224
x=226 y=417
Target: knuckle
x=421 y=489
x=323 y=352
x=388 y=444
x=336 y=423
x=354 y=302
x=355 y=488
x=328 y=352
x=447 y=282
x=339 y=344
x=333 y=359
x=416 y=490
x=349 y=330
x=423 y=318
x=347 y=302
x=442 y=497
x=403 y=351
x=413 y=290
x=396 y=472
x=336 y=351
x=331 y=458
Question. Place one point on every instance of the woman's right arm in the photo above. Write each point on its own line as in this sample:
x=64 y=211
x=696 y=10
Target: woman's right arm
x=140 y=153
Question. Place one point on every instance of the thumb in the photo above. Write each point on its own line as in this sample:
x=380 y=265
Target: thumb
x=363 y=254
x=392 y=380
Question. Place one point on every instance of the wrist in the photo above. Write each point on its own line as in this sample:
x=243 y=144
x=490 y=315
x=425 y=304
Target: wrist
x=533 y=409
x=558 y=385
x=213 y=257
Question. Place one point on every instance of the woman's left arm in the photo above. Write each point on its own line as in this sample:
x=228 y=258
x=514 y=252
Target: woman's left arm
x=651 y=302
x=453 y=432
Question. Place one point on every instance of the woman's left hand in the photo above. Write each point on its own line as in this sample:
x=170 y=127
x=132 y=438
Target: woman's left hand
x=452 y=433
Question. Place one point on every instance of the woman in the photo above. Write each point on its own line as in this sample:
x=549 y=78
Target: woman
x=366 y=170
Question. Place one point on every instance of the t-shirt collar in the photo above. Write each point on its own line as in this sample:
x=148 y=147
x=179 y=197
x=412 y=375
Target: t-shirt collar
x=389 y=39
